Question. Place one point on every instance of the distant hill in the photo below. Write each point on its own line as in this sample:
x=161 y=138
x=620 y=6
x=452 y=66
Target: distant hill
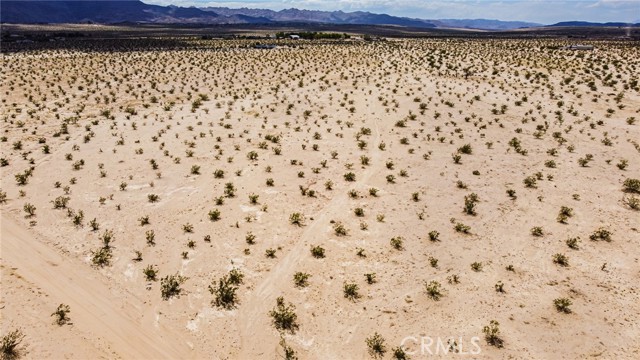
x=107 y=12
x=592 y=24
x=329 y=17
x=135 y=11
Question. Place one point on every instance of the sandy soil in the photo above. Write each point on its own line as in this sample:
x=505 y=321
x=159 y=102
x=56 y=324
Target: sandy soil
x=124 y=126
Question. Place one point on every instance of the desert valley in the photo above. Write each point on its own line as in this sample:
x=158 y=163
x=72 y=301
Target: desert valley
x=321 y=199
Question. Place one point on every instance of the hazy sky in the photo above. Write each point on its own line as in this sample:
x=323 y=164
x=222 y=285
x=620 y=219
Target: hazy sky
x=541 y=11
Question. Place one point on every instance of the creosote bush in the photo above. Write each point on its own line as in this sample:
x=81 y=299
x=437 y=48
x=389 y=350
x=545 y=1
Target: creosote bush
x=434 y=290
x=11 y=347
x=492 y=334
x=170 y=285
x=62 y=314
x=284 y=317
x=224 y=292
x=376 y=346
x=350 y=291
x=562 y=305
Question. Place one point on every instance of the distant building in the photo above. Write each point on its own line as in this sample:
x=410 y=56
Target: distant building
x=578 y=47
x=294 y=37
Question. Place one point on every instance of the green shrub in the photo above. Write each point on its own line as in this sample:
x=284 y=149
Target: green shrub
x=376 y=346
x=492 y=334
x=284 y=317
x=170 y=285
x=301 y=279
x=601 y=234
x=350 y=291
x=62 y=314
x=317 y=252
x=224 y=292
x=150 y=272
x=434 y=290
x=10 y=345
x=632 y=185
x=562 y=305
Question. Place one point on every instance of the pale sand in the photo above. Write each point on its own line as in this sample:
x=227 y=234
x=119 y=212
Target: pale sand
x=114 y=315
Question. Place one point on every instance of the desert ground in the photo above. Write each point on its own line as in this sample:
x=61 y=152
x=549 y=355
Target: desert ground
x=411 y=198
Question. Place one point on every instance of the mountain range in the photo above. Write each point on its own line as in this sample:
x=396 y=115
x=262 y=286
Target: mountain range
x=135 y=11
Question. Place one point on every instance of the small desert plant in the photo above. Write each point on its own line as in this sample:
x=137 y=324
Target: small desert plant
x=456 y=158
x=623 y=164
x=224 y=292
x=170 y=285
x=236 y=277
x=530 y=181
x=371 y=278
x=62 y=314
x=632 y=202
x=465 y=149
x=150 y=272
x=301 y=279
x=60 y=202
x=601 y=234
x=340 y=229
x=30 y=209
x=10 y=345
x=350 y=291
x=317 y=252
x=153 y=198
x=562 y=305
x=350 y=176
x=460 y=227
x=284 y=316
x=297 y=219
x=499 y=286
x=107 y=238
x=214 y=215
x=476 y=266
x=561 y=259
x=22 y=179
x=564 y=214
x=138 y=256
x=537 y=231
x=150 y=235
x=289 y=353
x=573 y=243
x=434 y=290
x=187 y=228
x=632 y=185
x=397 y=242
x=470 y=202
x=399 y=353
x=101 y=257
x=492 y=334
x=143 y=220
x=376 y=346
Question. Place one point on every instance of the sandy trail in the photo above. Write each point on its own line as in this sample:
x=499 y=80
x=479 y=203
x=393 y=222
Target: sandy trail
x=94 y=308
x=263 y=297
